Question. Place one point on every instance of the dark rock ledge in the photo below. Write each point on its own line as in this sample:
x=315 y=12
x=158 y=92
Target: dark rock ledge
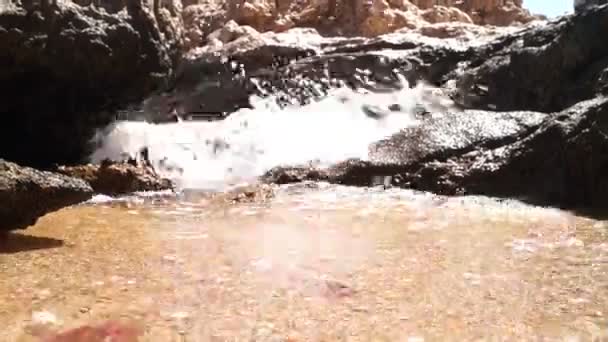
x=26 y=194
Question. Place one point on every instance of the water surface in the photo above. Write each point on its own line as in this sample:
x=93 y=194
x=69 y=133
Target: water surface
x=316 y=263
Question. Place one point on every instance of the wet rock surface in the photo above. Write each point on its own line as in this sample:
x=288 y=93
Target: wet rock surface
x=515 y=71
x=546 y=68
x=64 y=70
x=556 y=159
x=528 y=103
x=300 y=66
x=555 y=155
x=118 y=178
x=250 y=193
x=27 y=194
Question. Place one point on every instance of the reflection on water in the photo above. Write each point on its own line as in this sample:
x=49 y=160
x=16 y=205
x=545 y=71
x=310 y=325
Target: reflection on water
x=319 y=263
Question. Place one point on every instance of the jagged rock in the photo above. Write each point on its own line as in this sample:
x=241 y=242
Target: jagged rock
x=372 y=17
x=229 y=33
x=462 y=31
x=442 y=14
x=27 y=194
x=558 y=159
x=200 y=20
x=545 y=68
x=171 y=25
x=300 y=65
x=118 y=178
x=256 y=13
x=64 y=71
x=487 y=12
x=345 y=18
x=581 y=5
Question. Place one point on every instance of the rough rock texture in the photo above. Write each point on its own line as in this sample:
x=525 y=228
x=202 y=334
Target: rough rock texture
x=346 y=17
x=301 y=65
x=556 y=155
x=370 y=18
x=200 y=20
x=559 y=158
x=546 y=68
x=26 y=194
x=118 y=178
x=486 y=12
x=581 y=5
x=514 y=72
x=63 y=72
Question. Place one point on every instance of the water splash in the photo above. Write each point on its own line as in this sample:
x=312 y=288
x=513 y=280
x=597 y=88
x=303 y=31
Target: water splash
x=212 y=155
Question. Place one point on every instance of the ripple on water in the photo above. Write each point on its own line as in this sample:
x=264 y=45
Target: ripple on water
x=368 y=262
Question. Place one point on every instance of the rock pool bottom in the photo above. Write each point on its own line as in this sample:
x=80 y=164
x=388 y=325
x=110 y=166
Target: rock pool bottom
x=315 y=263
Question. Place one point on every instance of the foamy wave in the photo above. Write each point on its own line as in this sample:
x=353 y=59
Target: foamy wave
x=211 y=155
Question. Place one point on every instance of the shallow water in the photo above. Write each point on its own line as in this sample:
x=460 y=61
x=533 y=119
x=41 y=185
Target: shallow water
x=316 y=263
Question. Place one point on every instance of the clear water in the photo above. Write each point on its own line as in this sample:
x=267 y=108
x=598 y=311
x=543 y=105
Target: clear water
x=322 y=263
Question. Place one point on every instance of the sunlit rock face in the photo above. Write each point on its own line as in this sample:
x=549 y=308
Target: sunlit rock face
x=485 y=12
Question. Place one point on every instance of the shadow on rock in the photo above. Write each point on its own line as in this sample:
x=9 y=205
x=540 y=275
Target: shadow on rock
x=15 y=243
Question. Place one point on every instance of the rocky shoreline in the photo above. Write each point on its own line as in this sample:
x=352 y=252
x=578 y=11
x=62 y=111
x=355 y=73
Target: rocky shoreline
x=528 y=120
x=27 y=194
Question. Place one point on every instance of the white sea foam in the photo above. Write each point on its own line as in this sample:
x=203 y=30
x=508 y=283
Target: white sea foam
x=210 y=155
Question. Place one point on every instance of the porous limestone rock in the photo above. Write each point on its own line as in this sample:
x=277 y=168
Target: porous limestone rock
x=118 y=178
x=27 y=194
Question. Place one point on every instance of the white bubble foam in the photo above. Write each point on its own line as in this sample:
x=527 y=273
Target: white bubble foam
x=211 y=155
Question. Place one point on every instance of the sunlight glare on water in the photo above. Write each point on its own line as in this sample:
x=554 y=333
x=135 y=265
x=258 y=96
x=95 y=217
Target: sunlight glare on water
x=313 y=264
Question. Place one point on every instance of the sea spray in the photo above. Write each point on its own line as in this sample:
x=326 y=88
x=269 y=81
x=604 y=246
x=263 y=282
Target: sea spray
x=214 y=155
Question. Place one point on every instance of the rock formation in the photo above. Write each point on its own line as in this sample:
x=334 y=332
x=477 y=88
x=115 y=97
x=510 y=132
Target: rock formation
x=552 y=153
x=370 y=18
x=117 y=178
x=63 y=73
x=27 y=194
x=581 y=5
x=517 y=127
x=557 y=159
x=554 y=67
x=73 y=62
